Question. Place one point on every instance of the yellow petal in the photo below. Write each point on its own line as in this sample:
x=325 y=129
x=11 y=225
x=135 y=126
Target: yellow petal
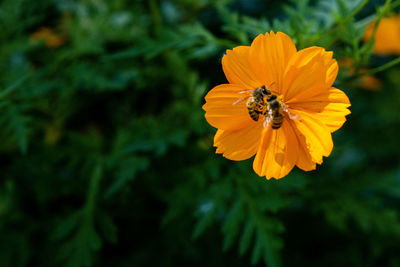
x=240 y=144
x=269 y=56
x=237 y=68
x=333 y=69
x=317 y=136
x=221 y=110
x=277 y=153
x=304 y=160
x=387 y=36
x=330 y=107
x=333 y=116
x=309 y=72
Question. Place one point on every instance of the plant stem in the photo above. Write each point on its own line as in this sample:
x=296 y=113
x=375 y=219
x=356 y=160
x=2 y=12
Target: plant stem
x=380 y=68
x=93 y=190
x=343 y=22
x=155 y=15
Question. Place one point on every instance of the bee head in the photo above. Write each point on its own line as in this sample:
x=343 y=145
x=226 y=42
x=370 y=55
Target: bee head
x=271 y=98
x=274 y=104
x=265 y=90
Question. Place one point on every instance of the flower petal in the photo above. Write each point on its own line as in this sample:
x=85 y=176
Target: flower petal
x=221 y=110
x=309 y=72
x=240 y=144
x=237 y=68
x=304 y=160
x=387 y=36
x=269 y=56
x=277 y=152
x=317 y=136
x=330 y=107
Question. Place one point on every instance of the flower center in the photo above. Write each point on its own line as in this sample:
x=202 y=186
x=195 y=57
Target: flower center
x=273 y=111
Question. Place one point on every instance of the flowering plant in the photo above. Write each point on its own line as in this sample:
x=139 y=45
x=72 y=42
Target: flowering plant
x=310 y=107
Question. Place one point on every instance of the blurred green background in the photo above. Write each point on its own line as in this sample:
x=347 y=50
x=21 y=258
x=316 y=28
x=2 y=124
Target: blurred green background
x=107 y=160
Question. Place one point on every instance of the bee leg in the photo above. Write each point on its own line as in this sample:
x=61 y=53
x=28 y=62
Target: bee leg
x=260 y=108
x=267 y=122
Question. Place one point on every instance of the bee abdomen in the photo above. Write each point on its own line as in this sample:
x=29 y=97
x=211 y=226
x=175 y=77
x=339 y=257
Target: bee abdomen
x=253 y=108
x=277 y=121
x=254 y=115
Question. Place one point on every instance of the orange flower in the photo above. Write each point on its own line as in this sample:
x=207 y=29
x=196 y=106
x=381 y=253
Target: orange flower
x=302 y=81
x=387 y=36
x=51 y=39
x=368 y=82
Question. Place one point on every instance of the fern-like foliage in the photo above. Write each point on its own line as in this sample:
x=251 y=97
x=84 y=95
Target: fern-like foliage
x=106 y=158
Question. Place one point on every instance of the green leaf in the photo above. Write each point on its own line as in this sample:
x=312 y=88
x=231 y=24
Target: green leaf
x=232 y=223
x=246 y=236
x=108 y=229
x=258 y=249
x=203 y=224
x=66 y=226
x=15 y=123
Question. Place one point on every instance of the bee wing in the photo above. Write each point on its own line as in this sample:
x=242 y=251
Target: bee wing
x=243 y=98
x=238 y=101
x=292 y=116
x=267 y=122
x=246 y=91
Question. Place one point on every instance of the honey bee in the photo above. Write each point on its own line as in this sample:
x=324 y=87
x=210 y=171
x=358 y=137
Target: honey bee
x=272 y=108
x=256 y=103
x=275 y=112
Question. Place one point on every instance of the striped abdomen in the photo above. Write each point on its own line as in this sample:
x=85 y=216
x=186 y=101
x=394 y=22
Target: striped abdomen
x=277 y=119
x=276 y=112
x=254 y=107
